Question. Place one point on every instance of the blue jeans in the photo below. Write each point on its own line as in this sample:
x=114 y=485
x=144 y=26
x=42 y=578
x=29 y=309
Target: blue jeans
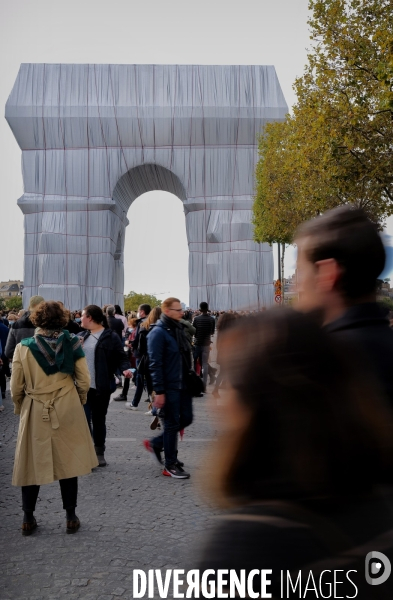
x=202 y=352
x=178 y=415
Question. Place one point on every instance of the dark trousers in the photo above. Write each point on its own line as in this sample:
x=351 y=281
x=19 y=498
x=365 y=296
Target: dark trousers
x=178 y=415
x=126 y=386
x=4 y=371
x=69 y=494
x=96 y=408
x=202 y=352
x=140 y=384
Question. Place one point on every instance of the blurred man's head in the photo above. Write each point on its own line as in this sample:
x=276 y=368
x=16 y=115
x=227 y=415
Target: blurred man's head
x=172 y=308
x=110 y=310
x=35 y=301
x=204 y=307
x=144 y=310
x=340 y=256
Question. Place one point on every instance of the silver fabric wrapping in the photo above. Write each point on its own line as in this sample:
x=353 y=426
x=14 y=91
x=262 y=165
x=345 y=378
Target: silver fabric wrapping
x=95 y=137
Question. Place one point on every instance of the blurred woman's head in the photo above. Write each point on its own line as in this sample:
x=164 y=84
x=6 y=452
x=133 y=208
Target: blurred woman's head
x=226 y=320
x=298 y=422
x=118 y=310
x=132 y=322
x=93 y=316
x=50 y=316
x=152 y=317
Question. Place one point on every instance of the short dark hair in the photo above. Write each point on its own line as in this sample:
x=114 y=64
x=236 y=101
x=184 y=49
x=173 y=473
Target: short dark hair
x=204 y=307
x=146 y=308
x=50 y=315
x=347 y=235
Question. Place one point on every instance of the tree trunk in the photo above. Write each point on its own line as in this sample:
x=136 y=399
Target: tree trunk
x=282 y=273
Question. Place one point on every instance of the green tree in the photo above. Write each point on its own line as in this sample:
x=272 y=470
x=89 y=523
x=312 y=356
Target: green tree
x=3 y=305
x=337 y=147
x=14 y=303
x=133 y=300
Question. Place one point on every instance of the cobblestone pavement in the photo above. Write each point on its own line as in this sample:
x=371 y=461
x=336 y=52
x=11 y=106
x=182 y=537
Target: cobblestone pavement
x=132 y=517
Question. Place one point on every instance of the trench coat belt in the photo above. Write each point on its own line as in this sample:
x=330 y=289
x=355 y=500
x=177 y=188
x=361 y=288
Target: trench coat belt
x=49 y=410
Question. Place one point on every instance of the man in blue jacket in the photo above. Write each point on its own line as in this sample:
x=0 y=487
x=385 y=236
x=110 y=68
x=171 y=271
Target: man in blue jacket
x=169 y=363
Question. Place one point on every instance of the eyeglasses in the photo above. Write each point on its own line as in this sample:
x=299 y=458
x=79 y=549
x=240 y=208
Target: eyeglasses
x=177 y=309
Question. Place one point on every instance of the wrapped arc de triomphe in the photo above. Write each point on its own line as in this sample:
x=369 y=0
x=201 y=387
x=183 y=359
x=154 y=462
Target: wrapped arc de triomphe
x=95 y=137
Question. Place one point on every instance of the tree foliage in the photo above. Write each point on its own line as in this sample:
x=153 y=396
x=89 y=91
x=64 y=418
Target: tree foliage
x=133 y=300
x=14 y=303
x=337 y=147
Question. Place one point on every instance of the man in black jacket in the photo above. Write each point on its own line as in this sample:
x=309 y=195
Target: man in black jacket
x=205 y=326
x=22 y=329
x=340 y=256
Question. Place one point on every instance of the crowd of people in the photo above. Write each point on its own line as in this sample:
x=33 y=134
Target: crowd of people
x=60 y=360
x=305 y=459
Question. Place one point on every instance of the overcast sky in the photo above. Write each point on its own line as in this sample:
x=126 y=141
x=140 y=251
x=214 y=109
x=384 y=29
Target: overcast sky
x=144 y=31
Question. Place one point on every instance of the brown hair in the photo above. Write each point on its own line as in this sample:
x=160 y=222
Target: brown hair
x=153 y=317
x=50 y=315
x=96 y=313
x=311 y=427
x=132 y=321
x=168 y=302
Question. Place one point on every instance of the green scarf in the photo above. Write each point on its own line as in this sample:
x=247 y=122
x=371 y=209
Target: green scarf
x=55 y=351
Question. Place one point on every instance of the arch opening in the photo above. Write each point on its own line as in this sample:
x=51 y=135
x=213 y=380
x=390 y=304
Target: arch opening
x=146 y=178
x=151 y=255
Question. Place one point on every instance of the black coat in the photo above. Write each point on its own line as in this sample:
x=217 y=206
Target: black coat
x=364 y=333
x=23 y=328
x=116 y=325
x=109 y=356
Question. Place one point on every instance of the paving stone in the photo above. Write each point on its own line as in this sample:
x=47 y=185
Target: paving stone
x=131 y=516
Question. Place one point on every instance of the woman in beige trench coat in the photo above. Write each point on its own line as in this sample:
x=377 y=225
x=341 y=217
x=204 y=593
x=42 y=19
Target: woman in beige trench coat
x=49 y=384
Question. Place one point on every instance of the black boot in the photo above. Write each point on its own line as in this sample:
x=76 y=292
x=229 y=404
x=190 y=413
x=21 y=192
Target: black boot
x=100 y=456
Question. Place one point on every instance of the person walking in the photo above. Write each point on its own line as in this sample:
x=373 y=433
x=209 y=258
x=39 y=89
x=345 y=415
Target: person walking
x=115 y=324
x=205 y=326
x=1 y=370
x=49 y=383
x=4 y=367
x=22 y=328
x=146 y=327
x=143 y=313
x=169 y=364
x=130 y=335
x=119 y=315
x=104 y=355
